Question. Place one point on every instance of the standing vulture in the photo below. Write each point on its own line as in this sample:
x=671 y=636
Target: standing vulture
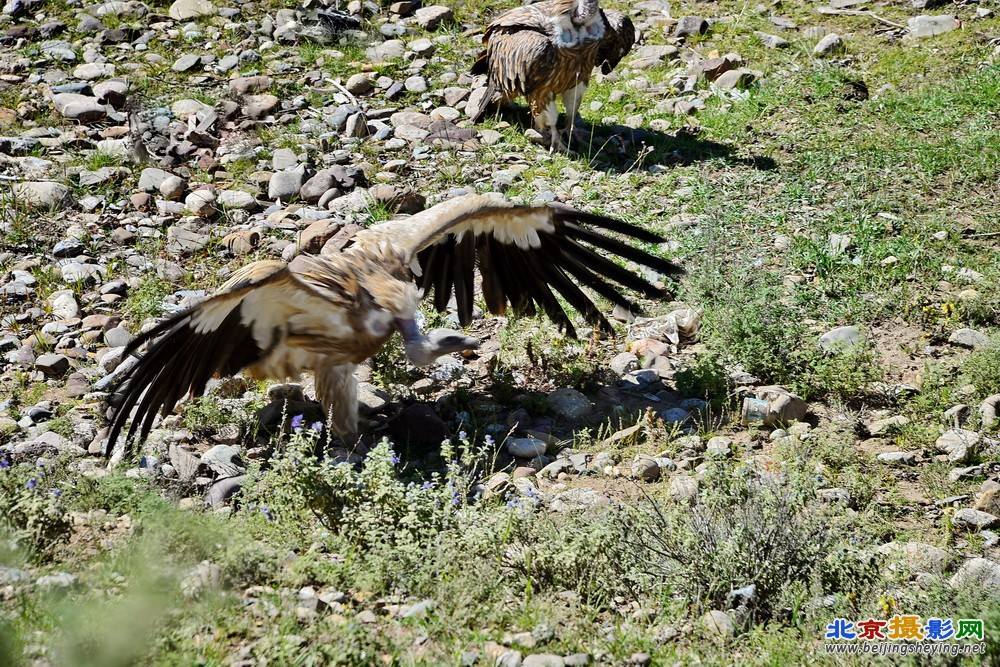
x=550 y=48
x=327 y=313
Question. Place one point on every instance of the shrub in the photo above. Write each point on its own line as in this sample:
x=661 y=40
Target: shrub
x=32 y=509
x=746 y=529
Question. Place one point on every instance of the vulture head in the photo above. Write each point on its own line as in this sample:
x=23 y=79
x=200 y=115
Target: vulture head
x=424 y=349
x=584 y=11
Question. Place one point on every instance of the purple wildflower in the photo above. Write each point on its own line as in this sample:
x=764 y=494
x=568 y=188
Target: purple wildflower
x=489 y=440
x=427 y=486
x=4 y=464
x=266 y=512
x=317 y=426
x=462 y=435
x=297 y=421
x=31 y=484
x=395 y=459
x=456 y=498
x=55 y=493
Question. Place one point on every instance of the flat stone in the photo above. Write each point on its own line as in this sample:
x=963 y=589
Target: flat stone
x=737 y=79
x=151 y=178
x=901 y=458
x=929 y=26
x=969 y=338
x=186 y=62
x=526 y=448
x=970 y=519
x=772 y=41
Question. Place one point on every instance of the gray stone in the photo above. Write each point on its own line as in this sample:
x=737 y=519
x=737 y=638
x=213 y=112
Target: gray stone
x=623 y=363
x=648 y=470
x=570 y=404
x=887 y=425
x=690 y=25
x=718 y=624
x=52 y=365
x=82 y=108
x=917 y=556
x=184 y=242
x=224 y=460
x=719 y=446
x=736 y=79
x=580 y=498
x=80 y=273
x=117 y=337
x=173 y=187
x=977 y=573
x=256 y=107
x=186 y=63
x=684 y=488
x=842 y=339
x=960 y=444
x=416 y=84
x=971 y=519
x=830 y=44
x=928 y=26
x=901 y=458
x=63 y=305
x=285 y=184
x=543 y=660
x=183 y=10
x=526 y=448
x=420 y=609
x=772 y=41
x=151 y=178
x=200 y=203
x=359 y=84
x=969 y=338
x=429 y=18
x=43 y=195
x=236 y=200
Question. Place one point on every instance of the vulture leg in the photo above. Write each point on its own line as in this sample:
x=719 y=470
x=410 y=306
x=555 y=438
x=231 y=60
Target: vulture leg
x=337 y=391
x=572 y=98
x=547 y=120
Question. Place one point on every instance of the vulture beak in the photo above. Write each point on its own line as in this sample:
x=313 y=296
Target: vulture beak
x=422 y=350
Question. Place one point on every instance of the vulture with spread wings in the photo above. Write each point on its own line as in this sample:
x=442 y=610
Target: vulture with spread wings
x=327 y=313
x=551 y=48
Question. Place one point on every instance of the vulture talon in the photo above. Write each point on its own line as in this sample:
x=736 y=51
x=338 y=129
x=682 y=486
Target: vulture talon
x=327 y=313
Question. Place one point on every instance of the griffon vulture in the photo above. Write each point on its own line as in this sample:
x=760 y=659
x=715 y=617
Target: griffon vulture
x=327 y=313
x=551 y=48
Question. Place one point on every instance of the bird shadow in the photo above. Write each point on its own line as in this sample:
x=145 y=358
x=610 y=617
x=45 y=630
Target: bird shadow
x=619 y=148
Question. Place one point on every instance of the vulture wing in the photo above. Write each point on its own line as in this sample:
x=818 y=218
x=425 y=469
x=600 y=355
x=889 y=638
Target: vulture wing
x=263 y=305
x=519 y=55
x=526 y=255
x=619 y=37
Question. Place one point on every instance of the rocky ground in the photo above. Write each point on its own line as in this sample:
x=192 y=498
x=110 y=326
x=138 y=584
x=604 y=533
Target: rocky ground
x=809 y=431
